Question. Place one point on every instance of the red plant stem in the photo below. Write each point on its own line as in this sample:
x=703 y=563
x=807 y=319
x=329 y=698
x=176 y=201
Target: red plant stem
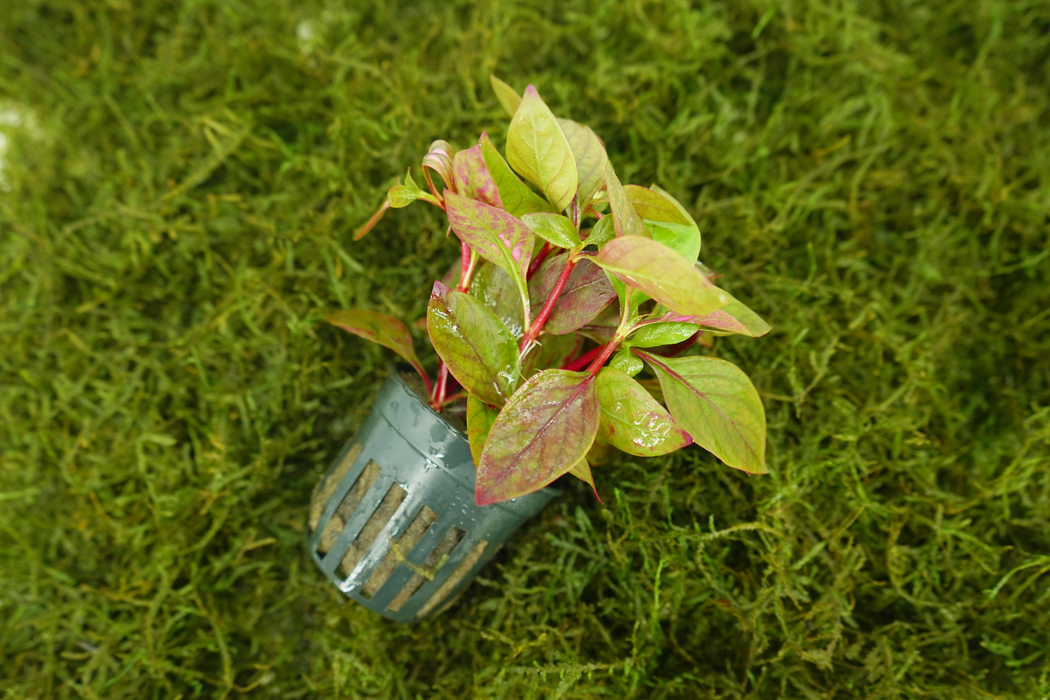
x=437 y=399
x=538 y=260
x=583 y=360
x=548 y=306
x=607 y=350
x=433 y=190
x=450 y=399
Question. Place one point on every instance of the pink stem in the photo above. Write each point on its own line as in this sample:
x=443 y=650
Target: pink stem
x=548 y=306
x=538 y=260
x=583 y=360
x=599 y=362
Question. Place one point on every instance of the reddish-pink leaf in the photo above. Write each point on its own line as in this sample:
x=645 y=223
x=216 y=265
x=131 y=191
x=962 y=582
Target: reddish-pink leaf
x=498 y=237
x=732 y=318
x=661 y=273
x=585 y=295
x=550 y=351
x=382 y=329
x=473 y=179
x=717 y=404
x=543 y=432
x=633 y=421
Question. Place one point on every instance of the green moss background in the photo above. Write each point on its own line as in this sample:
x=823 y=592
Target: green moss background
x=178 y=188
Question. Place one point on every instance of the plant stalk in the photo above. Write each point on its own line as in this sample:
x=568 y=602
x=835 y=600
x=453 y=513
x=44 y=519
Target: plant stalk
x=537 y=326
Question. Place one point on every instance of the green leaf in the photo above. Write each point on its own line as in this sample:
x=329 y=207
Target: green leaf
x=661 y=273
x=544 y=430
x=439 y=159
x=733 y=318
x=582 y=471
x=553 y=228
x=550 y=351
x=586 y=293
x=379 y=328
x=495 y=289
x=537 y=148
x=717 y=404
x=517 y=198
x=479 y=350
x=625 y=218
x=625 y=361
x=602 y=232
x=633 y=421
x=590 y=157
x=401 y=196
x=653 y=335
x=472 y=177
x=666 y=220
x=507 y=96
x=654 y=206
x=480 y=417
x=497 y=236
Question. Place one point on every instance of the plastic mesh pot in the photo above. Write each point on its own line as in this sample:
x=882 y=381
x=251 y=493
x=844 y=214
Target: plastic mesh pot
x=394 y=524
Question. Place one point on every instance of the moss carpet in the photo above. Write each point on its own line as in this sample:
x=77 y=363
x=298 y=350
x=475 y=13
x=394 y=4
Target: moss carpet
x=178 y=186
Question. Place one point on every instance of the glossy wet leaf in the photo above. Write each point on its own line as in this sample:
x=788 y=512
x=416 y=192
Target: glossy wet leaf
x=632 y=420
x=539 y=151
x=497 y=236
x=507 y=96
x=590 y=157
x=473 y=179
x=654 y=335
x=439 y=159
x=602 y=232
x=553 y=228
x=717 y=404
x=625 y=361
x=543 y=432
x=479 y=350
x=585 y=295
x=661 y=273
x=495 y=289
x=625 y=219
x=379 y=328
x=550 y=352
x=582 y=471
x=480 y=417
x=518 y=199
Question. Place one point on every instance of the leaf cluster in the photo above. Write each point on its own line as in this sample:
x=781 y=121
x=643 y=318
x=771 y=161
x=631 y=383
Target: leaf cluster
x=563 y=269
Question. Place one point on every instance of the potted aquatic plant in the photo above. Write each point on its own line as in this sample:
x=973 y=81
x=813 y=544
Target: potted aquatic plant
x=570 y=284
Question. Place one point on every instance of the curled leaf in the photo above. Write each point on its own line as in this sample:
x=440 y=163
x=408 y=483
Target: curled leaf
x=633 y=421
x=439 y=159
x=661 y=273
x=475 y=345
x=543 y=432
x=717 y=404
x=382 y=329
x=537 y=148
